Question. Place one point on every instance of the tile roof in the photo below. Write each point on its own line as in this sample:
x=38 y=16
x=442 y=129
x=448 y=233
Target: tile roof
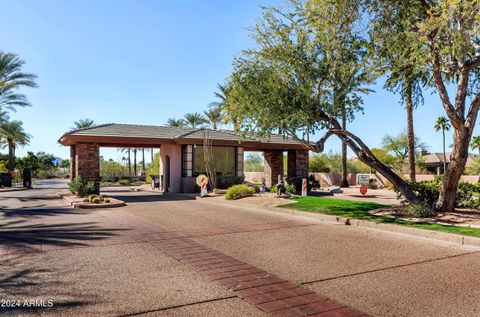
x=173 y=133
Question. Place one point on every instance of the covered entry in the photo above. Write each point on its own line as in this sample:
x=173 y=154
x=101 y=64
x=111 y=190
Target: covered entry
x=181 y=153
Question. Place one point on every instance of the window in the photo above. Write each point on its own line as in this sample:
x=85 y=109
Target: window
x=224 y=158
x=187 y=157
x=239 y=161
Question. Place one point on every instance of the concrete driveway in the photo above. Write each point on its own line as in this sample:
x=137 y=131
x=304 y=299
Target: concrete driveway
x=174 y=256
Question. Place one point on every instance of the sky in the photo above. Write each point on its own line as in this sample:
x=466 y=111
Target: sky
x=144 y=61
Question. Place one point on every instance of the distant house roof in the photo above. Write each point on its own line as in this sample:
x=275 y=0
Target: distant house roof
x=132 y=135
x=437 y=158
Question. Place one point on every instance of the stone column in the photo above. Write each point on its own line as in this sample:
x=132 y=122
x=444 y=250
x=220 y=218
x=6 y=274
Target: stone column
x=73 y=161
x=88 y=162
x=297 y=167
x=273 y=166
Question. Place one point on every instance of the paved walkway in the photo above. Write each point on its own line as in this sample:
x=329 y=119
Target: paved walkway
x=172 y=256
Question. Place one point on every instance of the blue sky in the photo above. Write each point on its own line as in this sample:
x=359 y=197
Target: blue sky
x=142 y=62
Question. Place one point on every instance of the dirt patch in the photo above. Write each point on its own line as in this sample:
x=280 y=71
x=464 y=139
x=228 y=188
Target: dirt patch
x=461 y=217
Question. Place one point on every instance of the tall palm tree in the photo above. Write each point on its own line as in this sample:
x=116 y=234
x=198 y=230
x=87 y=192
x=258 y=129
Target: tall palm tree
x=475 y=143
x=129 y=161
x=143 y=159
x=11 y=78
x=134 y=161
x=214 y=115
x=83 y=124
x=443 y=124
x=194 y=119
x=172 y=122
x=13 y=135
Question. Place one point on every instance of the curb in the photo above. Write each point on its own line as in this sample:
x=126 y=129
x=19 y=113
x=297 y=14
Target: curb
x=81 y=205
x=423 y=233
x=15 y=189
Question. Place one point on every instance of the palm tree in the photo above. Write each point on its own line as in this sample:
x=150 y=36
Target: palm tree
x=129 y=161
x=443 y=124
x=135 y=162
x=214 y=115
x=83 y=124
x=13 y=135
x=172 y=122
x=3 y=116
x=194 y=119
x=475 y=143
x=11 y=78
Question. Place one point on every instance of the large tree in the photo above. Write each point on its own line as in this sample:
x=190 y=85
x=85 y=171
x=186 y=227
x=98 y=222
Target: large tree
x=445 y=37
x=11 y=78
x=12 y=135
x=294 y=79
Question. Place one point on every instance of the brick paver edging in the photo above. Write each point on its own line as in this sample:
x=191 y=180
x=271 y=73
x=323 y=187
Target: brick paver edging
x=268 y=292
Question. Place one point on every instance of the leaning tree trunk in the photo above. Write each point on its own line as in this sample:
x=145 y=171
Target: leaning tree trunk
x=11 y=156
x=410 y=132
x=344 y=182
x=364 y=154
x=451 y=177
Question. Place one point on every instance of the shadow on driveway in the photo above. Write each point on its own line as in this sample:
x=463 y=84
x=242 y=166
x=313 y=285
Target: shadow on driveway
x=18 y=233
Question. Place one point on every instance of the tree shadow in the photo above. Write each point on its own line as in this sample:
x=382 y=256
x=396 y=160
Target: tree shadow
x=32 y=287
x=39 y=211
x=32 y=237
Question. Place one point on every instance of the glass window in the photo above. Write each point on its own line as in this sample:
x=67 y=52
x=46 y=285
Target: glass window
x=187 y=156
x=223 y=160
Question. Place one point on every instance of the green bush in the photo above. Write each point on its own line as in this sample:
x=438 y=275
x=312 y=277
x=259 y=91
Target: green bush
x=239 y=191
x=124 y=182
x=82 y=187
x=428 y=191
x=255 y=188
x=290 y=188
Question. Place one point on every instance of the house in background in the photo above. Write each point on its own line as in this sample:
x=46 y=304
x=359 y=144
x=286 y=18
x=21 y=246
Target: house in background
x=181 y=153
x=433 y=162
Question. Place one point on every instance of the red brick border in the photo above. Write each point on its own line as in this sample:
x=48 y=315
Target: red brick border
x=268 y=292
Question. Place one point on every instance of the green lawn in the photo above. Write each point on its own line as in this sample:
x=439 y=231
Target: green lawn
x=360 y=210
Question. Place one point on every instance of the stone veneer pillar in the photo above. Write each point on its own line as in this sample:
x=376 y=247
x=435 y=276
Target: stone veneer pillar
x=297 y=167
x=73 y=160
x=273 y=166
x=87 y=162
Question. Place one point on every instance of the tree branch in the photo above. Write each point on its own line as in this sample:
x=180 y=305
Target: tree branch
x=472 y=113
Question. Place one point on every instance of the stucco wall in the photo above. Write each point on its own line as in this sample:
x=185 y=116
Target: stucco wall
x=174 y=151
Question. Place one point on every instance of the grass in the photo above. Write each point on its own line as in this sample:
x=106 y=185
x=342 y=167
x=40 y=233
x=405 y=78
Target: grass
x=360 y=210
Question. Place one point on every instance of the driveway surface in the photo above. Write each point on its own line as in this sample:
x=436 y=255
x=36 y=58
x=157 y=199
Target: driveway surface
x=173 y=255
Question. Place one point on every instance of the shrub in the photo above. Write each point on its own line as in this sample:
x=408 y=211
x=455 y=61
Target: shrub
x=224 y=182
x=239 y=191
x=107 y=200
x=124 y=182
x=255 y=188
x=372 y=183
x=428 y=191
x=148 y=179
x=96 y=200
x=81 y=187
x=419 y=211
x=290 y=188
